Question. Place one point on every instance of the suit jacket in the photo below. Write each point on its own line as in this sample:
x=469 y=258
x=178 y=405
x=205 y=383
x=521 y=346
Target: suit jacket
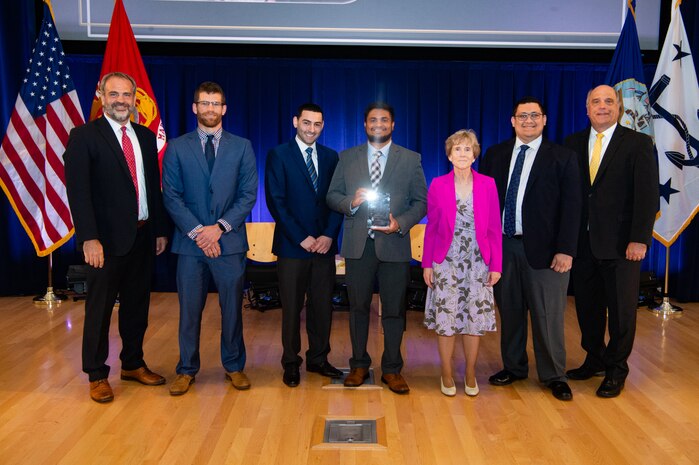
x=100 y=189
x=297 y=209
x=551 y=204
x=620 y=206
x=402 y=178
x=441 y=220
x=193 y=196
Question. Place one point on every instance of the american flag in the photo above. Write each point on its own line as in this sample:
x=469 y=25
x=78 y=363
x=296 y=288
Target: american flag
x=31 y=156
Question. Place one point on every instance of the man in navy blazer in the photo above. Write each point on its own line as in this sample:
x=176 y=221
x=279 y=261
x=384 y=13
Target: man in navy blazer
x=209 y=189
x=540 y=181
x=112 y=180
x=297 y=176
x=619 y=179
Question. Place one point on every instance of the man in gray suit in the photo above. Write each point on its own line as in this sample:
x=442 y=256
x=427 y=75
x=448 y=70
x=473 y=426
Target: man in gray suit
x=209 y=188
x=383 y=252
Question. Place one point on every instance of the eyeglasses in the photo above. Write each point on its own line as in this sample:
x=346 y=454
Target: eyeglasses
x=206 y=103
x=522 y=117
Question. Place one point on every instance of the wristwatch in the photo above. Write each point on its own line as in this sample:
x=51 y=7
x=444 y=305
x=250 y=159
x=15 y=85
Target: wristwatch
x=221 y=227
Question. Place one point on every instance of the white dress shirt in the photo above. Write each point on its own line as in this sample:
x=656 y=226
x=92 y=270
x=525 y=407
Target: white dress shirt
x=529 y=157
x=140 y=174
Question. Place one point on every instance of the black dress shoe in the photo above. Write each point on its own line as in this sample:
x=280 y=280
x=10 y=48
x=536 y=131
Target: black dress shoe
x=324 y=369
x=560 y=390
x=291 y=376
x=583 y=372
x=610 y=388
x=504 y=377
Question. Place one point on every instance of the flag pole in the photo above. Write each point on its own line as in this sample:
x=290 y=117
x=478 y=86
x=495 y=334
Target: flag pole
x=50 y=298
x=666 y=308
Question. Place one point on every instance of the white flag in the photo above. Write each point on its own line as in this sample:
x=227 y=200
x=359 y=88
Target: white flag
x=674 y=98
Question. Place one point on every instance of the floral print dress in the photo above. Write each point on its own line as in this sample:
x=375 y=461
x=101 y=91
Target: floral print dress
x=459 y=301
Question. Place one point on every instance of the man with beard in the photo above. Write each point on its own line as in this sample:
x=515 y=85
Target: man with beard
x=384 y=252
x=297 y=177
x=209 y=188
x=113 y=185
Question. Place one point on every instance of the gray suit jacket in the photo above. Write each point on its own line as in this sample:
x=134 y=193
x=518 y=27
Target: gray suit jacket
x=403 y=179
x=193 y=197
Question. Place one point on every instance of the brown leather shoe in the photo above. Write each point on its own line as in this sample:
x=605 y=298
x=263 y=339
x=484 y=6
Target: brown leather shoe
x=181 y=384
x=101 y=391
x=143 y=375
x=396 y=383
x=356 y=377
x=239 y=380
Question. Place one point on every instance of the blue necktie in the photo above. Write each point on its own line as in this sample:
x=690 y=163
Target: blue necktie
x=311 y=168
x=209 y=152
x=511 y=196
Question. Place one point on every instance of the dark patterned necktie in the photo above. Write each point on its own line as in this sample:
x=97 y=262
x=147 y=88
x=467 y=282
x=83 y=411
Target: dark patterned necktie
x=311 y=168
x=376 y=170
x=209 y=152
x=511 y=196
x=130 y=157
x=375 y=177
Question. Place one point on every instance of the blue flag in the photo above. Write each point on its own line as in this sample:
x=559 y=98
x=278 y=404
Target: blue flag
x=626 y=76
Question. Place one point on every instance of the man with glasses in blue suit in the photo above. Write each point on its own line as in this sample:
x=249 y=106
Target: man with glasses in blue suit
x=209 y=189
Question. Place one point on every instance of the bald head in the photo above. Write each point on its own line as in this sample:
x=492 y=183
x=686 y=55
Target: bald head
x=603 y=107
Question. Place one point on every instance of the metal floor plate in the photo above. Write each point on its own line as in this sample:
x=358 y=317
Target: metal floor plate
x=350 y=432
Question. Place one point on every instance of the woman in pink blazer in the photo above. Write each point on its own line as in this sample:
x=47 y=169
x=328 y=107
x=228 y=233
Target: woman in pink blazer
x=462 y=258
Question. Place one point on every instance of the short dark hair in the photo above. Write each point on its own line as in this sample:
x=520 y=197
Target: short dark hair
x=379 y=106
x=308 y=106
x=209 y=87
x=528 y=99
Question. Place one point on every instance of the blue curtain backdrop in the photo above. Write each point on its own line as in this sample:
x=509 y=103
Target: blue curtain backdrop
x=432 y=100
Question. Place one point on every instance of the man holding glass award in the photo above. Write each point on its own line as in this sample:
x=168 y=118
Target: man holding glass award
x=380 y=187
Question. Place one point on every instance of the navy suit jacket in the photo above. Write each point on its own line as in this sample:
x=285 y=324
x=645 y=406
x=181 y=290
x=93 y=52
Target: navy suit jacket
x=552 y=200
x=297 y=209
x=192 y=196
x=100 y=190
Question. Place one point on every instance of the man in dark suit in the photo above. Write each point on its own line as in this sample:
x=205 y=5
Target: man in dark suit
x=619 y=178
x=297 y=177
x=113 y=184
x=209 y=189
x=385 y=167
x=538 y=186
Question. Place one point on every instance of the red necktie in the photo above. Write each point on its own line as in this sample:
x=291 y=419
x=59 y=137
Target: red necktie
x=127 y=147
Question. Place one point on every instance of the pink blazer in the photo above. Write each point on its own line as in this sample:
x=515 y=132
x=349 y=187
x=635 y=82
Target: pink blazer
x=441 y=217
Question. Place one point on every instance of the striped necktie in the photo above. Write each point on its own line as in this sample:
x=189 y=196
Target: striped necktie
x=311 y=168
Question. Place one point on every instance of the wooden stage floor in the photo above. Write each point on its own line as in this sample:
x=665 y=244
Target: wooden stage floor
x=47 y=417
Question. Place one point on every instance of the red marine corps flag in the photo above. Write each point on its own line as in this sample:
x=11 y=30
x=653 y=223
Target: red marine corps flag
x=122 y=55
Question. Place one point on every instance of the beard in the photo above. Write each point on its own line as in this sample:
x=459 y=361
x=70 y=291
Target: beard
x=376 y=139
x=209 y=120
x=118 y=112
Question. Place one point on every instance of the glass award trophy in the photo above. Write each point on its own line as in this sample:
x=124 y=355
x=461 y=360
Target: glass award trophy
x=379 y=204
